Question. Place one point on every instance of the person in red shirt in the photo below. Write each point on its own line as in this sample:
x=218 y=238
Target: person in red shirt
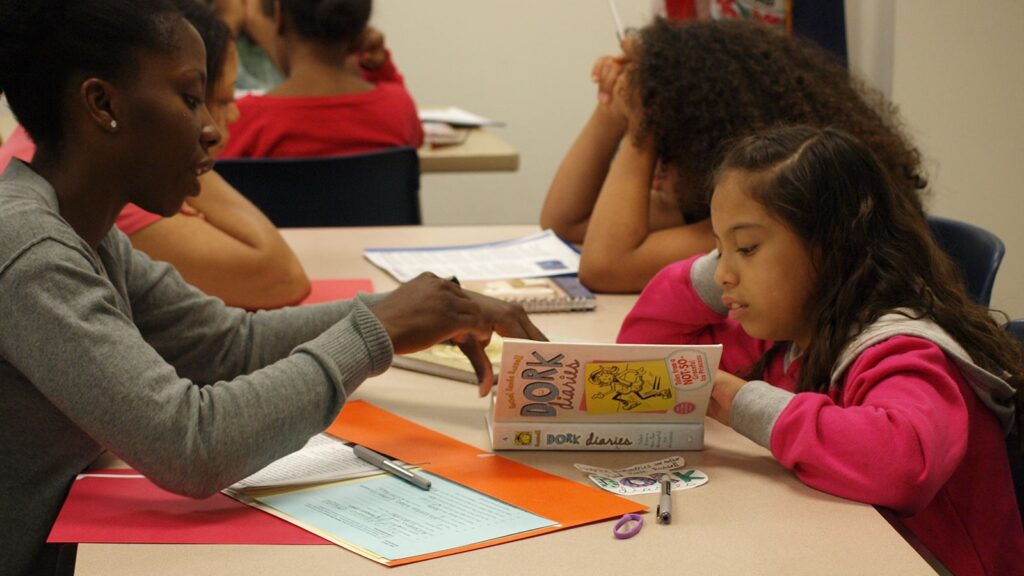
x=860 y=361
x=342 y=93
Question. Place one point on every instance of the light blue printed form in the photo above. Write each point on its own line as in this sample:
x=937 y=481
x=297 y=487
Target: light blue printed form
x=393 y=519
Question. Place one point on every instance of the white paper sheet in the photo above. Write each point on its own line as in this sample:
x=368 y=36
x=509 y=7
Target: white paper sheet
x=455 y=116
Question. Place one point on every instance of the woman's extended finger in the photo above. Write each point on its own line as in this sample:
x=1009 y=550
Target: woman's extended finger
x=474 y=350
x=520 y=326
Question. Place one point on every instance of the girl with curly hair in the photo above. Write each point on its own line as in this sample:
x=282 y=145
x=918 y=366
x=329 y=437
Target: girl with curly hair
x=867 y=370
x=633 y=188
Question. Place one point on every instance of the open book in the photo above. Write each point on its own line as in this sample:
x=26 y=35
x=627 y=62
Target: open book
x=582 y=396
x=448 y=361
x=323 y=459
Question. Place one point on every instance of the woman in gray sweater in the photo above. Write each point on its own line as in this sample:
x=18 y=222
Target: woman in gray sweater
x=104 y=349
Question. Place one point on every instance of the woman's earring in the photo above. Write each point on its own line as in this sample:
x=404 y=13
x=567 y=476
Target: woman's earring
x=113 y=124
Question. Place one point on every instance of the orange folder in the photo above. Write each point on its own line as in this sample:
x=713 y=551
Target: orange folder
x=567 y=502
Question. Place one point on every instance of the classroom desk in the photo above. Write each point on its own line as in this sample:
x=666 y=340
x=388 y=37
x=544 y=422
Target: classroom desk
x=483 y=151
x=752 y=517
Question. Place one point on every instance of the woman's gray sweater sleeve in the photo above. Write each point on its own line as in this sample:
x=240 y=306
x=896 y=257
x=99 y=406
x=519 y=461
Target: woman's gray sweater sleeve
x=80 y=348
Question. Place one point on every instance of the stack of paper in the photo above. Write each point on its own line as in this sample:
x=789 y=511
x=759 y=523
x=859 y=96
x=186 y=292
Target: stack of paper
x=455 y=116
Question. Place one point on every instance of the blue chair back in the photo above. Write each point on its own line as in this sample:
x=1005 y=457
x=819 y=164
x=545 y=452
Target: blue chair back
x=976 y=251
x=372 y=189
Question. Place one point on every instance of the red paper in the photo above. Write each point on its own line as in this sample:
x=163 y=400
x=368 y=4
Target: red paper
x=128 y=509
x=336 y=289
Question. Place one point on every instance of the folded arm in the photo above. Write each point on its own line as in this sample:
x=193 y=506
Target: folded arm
x=622 y=250
x=231 y=251
x=903 y=395
x=573 y=192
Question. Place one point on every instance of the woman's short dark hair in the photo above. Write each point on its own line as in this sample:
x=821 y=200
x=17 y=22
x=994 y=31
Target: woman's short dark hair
x=45 y=44
x=327 y=21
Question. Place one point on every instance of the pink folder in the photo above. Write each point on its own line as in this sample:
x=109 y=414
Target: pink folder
x=336 y=289
x=121 y=506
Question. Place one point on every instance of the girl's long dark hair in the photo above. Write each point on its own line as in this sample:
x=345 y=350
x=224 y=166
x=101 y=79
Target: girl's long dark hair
x=871 y=247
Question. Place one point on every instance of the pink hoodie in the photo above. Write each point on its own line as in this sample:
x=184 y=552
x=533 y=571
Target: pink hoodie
x=908 y=432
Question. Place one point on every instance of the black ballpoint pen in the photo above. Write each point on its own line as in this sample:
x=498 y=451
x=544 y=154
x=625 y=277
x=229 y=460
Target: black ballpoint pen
x=391 y=467
x=665 y=504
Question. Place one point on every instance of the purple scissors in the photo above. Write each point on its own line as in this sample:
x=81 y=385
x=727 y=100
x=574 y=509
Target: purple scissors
x=628 y=526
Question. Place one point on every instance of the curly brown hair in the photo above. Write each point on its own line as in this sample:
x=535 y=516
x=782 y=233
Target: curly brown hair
x=706 y=84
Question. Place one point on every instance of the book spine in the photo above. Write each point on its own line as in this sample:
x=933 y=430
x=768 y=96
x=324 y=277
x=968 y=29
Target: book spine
x=539 y=305
x=434 y=369
x=517 y=435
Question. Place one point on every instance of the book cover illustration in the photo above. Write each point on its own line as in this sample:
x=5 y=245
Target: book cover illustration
x=604 y=382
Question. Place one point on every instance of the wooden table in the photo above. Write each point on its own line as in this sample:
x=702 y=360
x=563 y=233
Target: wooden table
x=752 y=517
x=482 y=151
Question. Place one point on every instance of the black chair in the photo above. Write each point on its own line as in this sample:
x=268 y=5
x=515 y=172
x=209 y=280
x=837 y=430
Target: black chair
x=976 y=251
x=372 y=189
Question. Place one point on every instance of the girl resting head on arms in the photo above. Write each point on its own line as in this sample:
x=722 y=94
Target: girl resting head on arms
x=865 y=366
x=634 y=186
x=102 y=349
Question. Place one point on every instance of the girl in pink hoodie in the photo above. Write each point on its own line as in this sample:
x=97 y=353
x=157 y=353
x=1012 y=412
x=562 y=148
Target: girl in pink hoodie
x=851 y=349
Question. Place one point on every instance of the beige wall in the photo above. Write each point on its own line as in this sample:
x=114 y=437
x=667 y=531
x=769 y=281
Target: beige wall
x=958 y=77
x=526 y=63
x=956 y=73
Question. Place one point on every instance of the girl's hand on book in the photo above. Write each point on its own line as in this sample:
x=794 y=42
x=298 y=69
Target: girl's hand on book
x=726 y=388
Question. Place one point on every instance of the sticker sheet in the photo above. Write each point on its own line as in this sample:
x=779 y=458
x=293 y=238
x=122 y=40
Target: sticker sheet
x=644 y=478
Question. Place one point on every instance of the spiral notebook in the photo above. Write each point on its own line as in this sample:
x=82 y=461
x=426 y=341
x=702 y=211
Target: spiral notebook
x=547 y=294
